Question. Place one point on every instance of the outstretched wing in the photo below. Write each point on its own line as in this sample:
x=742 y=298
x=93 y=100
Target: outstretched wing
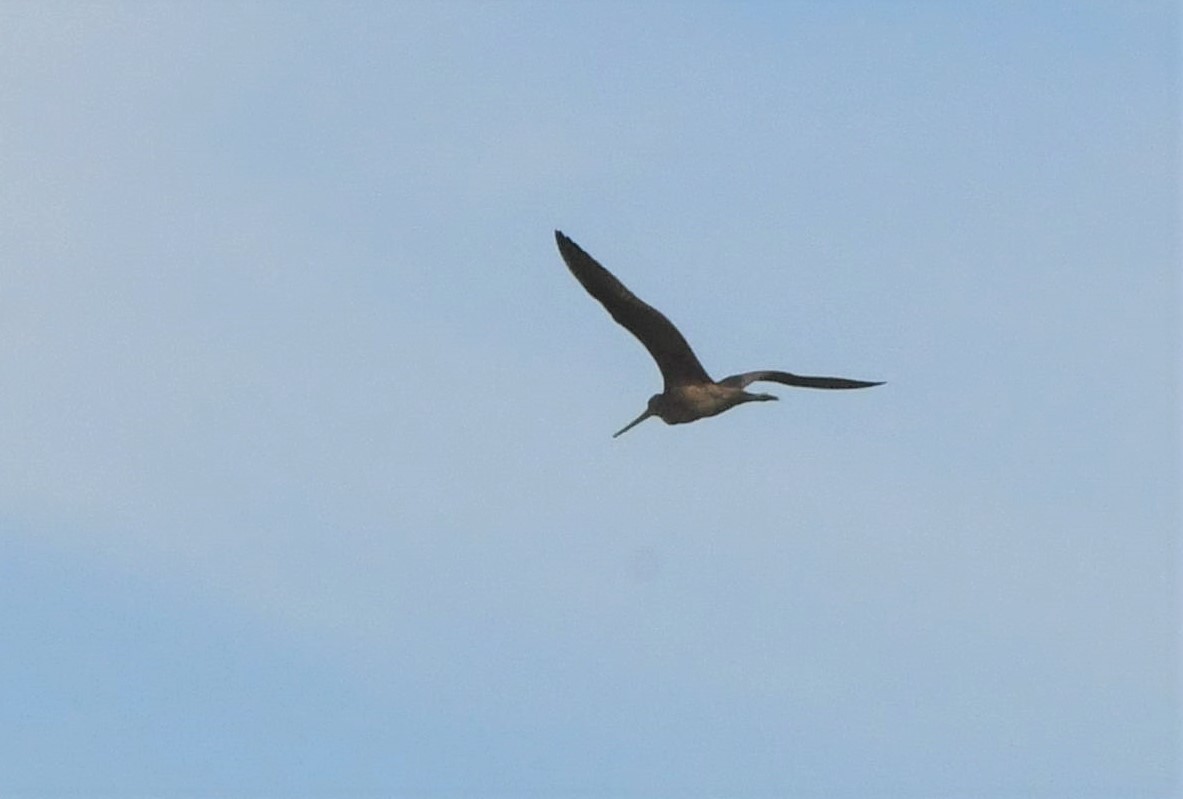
x=742 y=380
x=678 y=363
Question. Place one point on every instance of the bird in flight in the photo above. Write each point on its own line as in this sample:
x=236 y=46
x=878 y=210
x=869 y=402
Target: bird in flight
x=689 y=393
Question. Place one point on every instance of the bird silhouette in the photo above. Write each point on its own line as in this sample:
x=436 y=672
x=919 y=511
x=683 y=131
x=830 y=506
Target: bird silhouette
x=690 y=393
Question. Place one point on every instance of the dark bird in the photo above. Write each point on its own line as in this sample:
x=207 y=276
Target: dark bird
x=689 y=393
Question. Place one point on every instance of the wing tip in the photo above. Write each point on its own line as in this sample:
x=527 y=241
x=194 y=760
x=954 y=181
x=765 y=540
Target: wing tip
x=570 y=251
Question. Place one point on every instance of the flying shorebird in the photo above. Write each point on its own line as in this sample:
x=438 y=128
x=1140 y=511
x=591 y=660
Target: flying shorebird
x=690 y=393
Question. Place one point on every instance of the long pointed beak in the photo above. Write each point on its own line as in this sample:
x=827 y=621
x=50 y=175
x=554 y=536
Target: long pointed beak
x=633 y=423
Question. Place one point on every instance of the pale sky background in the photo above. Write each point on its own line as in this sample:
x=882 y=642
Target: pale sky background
x=306 y=479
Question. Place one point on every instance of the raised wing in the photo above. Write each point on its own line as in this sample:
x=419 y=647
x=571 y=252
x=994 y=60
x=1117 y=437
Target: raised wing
x=678 y=363
x=742 y=380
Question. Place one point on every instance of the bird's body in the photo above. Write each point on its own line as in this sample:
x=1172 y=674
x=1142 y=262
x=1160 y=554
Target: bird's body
x=693 y=401
x=690 y=393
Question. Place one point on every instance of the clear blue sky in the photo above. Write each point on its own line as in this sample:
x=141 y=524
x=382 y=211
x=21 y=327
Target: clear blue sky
x=306 y=477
